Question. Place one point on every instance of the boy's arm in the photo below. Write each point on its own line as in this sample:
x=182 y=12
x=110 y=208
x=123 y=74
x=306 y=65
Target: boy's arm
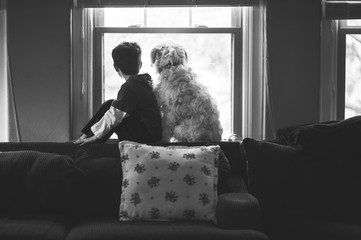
x=111 y=119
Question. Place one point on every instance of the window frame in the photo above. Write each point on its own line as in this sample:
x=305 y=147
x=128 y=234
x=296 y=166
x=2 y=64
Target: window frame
x=333 y=61
x=250 y=120
x=343 y=31
x=236 y=83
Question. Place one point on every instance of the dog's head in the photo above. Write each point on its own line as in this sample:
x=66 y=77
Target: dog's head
x=168 y=54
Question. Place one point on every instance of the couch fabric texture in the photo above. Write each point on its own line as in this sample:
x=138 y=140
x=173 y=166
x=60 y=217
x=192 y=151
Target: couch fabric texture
x=308 y=180
x=64 y=191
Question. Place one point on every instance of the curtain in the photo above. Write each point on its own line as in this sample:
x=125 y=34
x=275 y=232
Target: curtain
x=341 y=9
x=270 y=120
x=14 y=130
x=4 y=121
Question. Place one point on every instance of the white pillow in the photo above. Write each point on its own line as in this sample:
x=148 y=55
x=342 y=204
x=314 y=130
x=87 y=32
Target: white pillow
x=168 y=183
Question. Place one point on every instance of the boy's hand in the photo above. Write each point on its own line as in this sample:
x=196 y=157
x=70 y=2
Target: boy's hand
x=84 y=141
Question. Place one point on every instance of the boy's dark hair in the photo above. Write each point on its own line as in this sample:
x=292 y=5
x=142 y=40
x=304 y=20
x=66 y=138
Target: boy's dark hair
x=126 y=57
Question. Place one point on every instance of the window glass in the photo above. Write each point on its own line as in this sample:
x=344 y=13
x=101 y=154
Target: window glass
x=123 y=17
x=168 y=17
x=210 y=56
x=353 y=23
x=353 y=75
x=212 y=16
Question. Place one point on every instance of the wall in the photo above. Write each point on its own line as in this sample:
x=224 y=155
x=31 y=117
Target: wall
x=39 y=50
x=294 y=55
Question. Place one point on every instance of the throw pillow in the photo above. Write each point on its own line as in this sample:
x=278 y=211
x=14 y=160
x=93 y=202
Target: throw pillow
x=168 y=183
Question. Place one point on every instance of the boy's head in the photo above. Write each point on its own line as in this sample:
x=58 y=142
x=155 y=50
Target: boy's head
x=168 y=54
x=127 y=58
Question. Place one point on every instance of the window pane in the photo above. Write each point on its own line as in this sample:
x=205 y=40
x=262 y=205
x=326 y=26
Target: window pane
x=351 y=23
x=168 y=17
x=212 y=16
x=353 y=75
x=123 y=17
x=210 y=56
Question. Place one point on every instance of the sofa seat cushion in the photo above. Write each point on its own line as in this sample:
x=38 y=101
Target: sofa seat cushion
x=23 y=227
x=314 y=228
x=110 y=229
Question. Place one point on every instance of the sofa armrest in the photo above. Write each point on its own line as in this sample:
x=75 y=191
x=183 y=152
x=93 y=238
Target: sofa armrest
x=238 y=211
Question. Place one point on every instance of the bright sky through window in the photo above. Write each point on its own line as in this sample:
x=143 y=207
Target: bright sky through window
x=168 y=17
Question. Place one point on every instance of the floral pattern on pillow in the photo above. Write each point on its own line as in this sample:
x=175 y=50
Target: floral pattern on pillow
x=168 y=183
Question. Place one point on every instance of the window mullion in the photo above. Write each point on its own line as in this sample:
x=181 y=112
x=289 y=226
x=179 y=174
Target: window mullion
x=190 y=17
x=145 y=18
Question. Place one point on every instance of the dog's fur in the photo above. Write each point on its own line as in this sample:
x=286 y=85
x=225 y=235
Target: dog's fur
x=189 y=112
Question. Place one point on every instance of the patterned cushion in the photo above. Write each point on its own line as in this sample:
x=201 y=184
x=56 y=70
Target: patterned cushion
x=168 y=183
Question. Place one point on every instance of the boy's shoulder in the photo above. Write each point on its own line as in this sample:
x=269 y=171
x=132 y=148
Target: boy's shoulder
x=144 y=80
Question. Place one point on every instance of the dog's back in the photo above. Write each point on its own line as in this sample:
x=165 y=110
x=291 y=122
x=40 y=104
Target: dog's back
x=189 y=111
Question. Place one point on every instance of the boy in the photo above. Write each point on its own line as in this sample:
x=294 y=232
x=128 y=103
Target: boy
x=134 y=115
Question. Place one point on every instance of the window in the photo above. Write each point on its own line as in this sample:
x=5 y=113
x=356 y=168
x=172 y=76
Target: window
x=350 y=66
x=340 y=60
x=210 y=48
x=347 y=72
x=219 y=42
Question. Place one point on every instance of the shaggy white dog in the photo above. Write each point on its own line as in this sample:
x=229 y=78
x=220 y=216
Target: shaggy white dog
x=189 y=112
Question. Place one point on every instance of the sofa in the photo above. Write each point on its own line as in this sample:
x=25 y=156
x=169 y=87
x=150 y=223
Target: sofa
x=308 y=180
x=65 y=191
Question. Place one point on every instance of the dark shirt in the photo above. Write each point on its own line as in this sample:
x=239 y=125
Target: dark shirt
x=143 y=122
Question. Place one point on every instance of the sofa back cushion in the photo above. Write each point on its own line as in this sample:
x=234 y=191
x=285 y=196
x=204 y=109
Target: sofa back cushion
x=101 y=188
x=60 y=148
x=288 y=180
x=314 y=137
x=232 y=151
x=37 y=182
